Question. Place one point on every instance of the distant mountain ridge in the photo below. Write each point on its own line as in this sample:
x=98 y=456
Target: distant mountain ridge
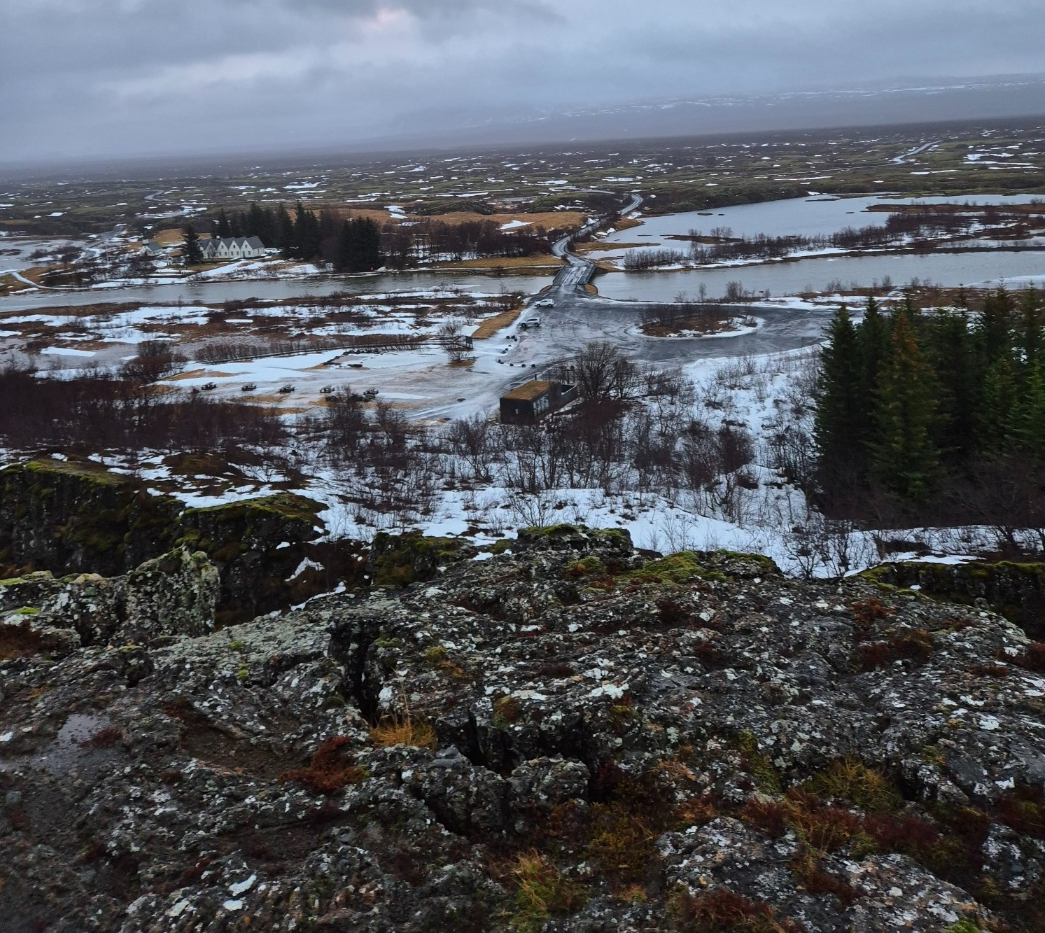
x=914 y=102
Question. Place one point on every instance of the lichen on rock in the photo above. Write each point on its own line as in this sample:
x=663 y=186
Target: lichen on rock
x=570 y=736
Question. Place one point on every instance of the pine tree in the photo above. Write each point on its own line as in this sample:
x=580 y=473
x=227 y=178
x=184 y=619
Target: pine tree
x=1030 y=333
x=949 y=351
x=358 y=246
x=904 y=458
x=346 y=248
x=997 y=397
x=1025 y=429
x=840 y=408
x=222 y=227
x=994 y=328
x=286 y=238
x=872 y=345
x=306 y=234
x=191 y=251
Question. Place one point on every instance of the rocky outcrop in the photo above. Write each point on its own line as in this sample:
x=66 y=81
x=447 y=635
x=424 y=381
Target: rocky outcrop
x=562 y=736
x=1016 y=590
x=171 y=595
x=74 y=516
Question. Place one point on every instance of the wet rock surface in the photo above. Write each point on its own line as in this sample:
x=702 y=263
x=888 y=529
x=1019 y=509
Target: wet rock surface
x=566 y=736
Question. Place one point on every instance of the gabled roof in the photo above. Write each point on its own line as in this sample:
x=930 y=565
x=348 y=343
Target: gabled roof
x=229 y=242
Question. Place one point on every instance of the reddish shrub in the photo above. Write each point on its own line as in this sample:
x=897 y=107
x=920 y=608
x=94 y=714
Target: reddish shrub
x=722 y=911
x=327 y=771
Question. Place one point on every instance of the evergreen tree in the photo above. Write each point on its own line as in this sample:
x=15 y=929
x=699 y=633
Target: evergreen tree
x=841 y=406
x=872 y=349
x=286 y=239
x=1030 y=338
x=904 y=458
x=1026 y=422
x=950 y=353
x=306 y=234
x=997 y=398
x=994 y=328
x=191 y=251
x=222 y=227
x=358 y=246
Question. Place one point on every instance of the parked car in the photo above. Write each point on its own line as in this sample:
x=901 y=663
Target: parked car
x=544 y=303
x=287 y=388
x=210 y=385
x=249 y=387
x=326 y=390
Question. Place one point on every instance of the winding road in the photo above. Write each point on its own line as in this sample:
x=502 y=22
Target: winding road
x=577 y=317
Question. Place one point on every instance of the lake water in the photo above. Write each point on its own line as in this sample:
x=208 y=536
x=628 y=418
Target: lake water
x=805 y=216
x=217 y=292
x=790 y=278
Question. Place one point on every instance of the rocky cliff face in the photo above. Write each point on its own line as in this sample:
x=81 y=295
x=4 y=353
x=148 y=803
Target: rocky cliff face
x=74 y=516
x=563 y=737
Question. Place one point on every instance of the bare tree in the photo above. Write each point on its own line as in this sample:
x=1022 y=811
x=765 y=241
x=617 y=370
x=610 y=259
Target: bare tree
x=155 y=359
x=603 y=373
x=453 y=341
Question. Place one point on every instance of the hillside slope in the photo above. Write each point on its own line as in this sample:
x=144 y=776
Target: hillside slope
x=566 y=736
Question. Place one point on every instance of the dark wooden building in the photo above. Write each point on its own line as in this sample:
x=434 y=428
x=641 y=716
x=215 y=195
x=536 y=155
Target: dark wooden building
x=531 y=401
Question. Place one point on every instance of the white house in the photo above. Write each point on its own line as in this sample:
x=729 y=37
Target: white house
x=235 y=247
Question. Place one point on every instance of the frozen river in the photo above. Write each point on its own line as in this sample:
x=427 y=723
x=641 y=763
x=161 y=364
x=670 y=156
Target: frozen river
x=826 y=273
x=215 y=292
x=811 y=216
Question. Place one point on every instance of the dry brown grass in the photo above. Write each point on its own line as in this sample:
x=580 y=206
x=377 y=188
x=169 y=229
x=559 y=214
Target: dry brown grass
x=492 y=325
x=512 y=265
x=403 y=729
x=35 y=274
x=541 y=891
x=547 y=219
x=9 y=285
x=198 y=374
x=601 y=246
x=626 y=223
x=167 y=237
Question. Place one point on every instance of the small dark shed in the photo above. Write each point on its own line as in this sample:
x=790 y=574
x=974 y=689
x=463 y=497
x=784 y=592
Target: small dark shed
x=531 y=401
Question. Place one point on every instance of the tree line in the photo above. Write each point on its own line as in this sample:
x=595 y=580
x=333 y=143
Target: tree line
x=941 y=414
x=352 y=245
x=359 y=244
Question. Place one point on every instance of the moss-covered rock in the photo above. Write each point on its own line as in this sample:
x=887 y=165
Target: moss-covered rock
x=258 y=544
x=401 y=560
x=1015 y=590
x=76 y=516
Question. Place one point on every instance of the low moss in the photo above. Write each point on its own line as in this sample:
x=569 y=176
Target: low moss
x=82 y=469
x=284 y=504
x=506 y=711
x=866 y=788
x=758 y=764
x=400 y=561
x=590 y=566
x=552 y=531
x=674 y=569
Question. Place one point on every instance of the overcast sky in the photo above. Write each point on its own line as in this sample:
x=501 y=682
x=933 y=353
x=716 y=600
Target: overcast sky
x=86 y=78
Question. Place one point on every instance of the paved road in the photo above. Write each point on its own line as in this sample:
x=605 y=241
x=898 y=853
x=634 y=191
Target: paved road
x=577 y=317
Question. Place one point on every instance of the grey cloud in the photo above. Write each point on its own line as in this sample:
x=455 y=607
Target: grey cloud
x=139 y=75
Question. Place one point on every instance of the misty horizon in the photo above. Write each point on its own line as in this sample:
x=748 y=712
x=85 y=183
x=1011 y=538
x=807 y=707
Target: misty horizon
x=123 y=79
